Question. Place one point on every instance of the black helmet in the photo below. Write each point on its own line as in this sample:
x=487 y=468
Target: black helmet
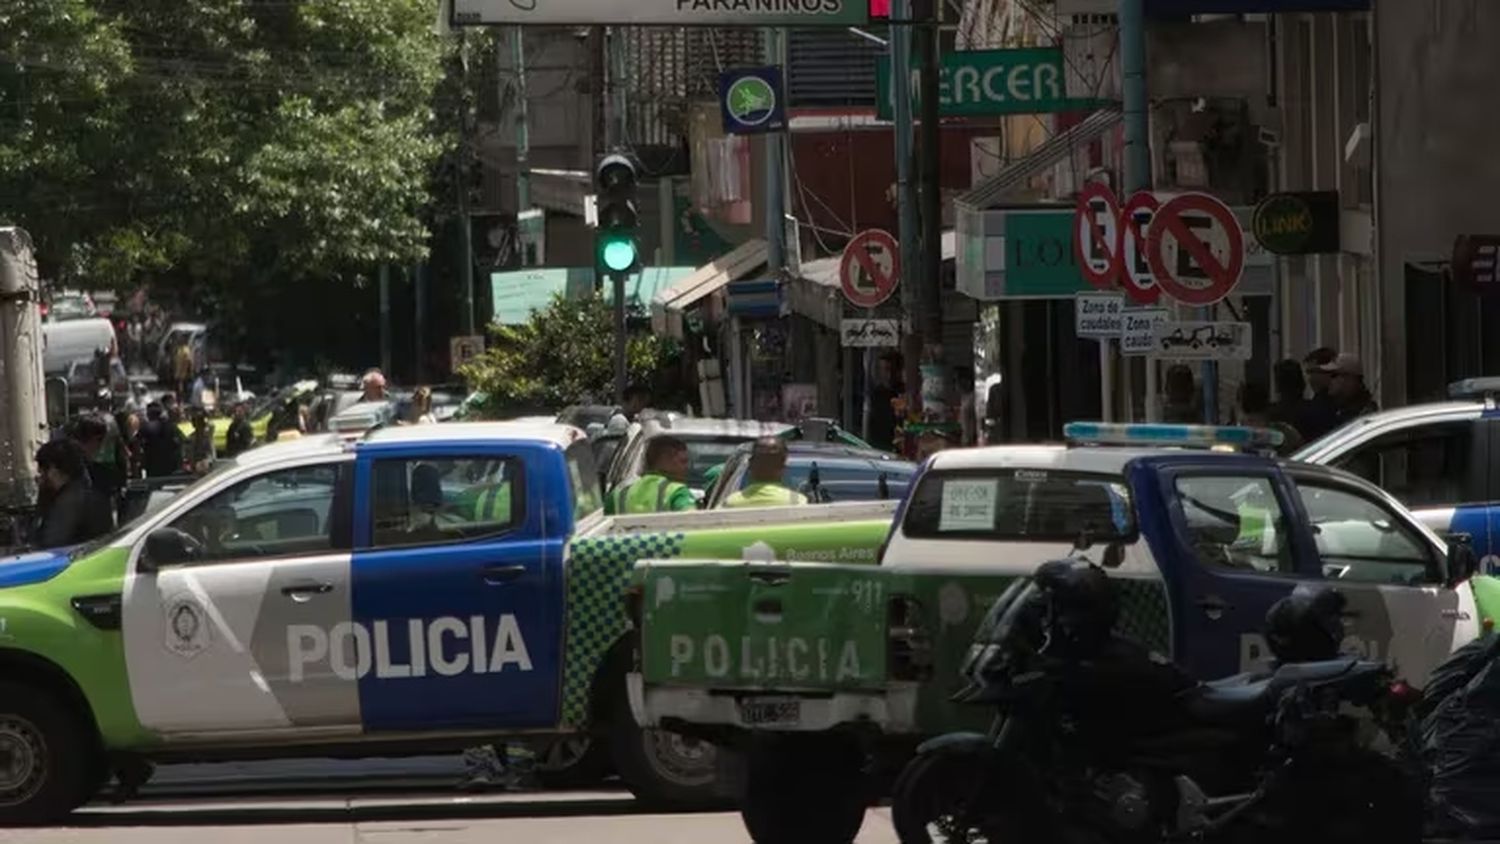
x=1307 y=625
x=1082 y=606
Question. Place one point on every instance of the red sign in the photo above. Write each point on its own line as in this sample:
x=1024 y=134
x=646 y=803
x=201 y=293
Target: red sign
x=1135 y=275
x=1094 y=226
x=1209 y=249
x=870 y=268
x=880 y=8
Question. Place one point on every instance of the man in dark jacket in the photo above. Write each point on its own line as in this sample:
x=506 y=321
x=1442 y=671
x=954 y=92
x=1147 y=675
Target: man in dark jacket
x=71 y=511
x=1320 y=413
x=162 y=443
x=1351 y=398
x=240 y=436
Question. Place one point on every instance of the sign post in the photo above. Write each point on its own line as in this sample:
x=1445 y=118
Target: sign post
x=1095 y=224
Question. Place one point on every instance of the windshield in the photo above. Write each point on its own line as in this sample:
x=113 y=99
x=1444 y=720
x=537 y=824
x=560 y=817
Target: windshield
x=267 y=403
x=706 y=454
x=1029 y=505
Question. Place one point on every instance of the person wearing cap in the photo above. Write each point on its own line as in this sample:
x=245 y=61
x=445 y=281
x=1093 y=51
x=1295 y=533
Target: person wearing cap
x=767 y=466
x=1346 y=386
x=661 y=489
x=1320 y=413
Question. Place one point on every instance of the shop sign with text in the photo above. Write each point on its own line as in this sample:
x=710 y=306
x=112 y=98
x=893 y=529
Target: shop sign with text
x=976 y=83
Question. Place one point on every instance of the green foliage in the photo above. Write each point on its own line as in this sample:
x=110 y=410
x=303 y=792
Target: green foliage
x=564 y=355
x=218 y=142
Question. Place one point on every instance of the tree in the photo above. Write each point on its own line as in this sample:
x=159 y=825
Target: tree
x=218 y=142
x=563 y=355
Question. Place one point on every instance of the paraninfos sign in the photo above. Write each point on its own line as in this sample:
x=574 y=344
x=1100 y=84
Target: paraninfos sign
x=663 y=12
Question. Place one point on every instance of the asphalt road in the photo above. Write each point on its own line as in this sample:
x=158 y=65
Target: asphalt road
x=547 y=818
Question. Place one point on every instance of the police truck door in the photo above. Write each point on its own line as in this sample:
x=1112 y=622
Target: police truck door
x=236 y=608
x=1220 y=527
x=459 y=585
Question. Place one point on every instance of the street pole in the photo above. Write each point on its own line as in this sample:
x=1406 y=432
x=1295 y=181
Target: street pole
x=930 y=279
x=522 y=128
x=385 y=319
x=1137 y=117
x=466 y=235
x=906 y=204
x=615 y=135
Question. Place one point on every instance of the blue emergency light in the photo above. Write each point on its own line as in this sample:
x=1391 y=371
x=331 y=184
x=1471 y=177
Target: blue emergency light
x=1108 y=433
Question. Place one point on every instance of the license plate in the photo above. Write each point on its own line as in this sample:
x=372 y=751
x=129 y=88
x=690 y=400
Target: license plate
x=764 y=712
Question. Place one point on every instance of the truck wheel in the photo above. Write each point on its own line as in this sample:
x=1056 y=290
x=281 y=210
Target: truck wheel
x=48 y=765
x=804 y=791
x=664 y=769
x=573 y=763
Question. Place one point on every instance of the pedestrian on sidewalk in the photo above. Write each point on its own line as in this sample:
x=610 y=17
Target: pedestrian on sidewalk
x=1181 y=402
x=1290 y=407
x=162 y=443
x=1321 y=412
x=241 y=436
x=201 y=451
x=421 y=408
x=1346 y=387
x=70 y=511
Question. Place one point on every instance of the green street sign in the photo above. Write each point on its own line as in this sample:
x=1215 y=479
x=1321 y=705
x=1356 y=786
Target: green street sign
x=982 y=83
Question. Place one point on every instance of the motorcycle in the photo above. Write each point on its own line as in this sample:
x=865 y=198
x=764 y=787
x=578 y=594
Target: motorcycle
x=1098 y=740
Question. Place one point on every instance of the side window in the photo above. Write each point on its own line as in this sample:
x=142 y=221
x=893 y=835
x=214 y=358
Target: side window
x=426 y=501
x=586 y=497
x=289 y=512
x=1236 y=522
x=1427 y=466
x=1360 y=540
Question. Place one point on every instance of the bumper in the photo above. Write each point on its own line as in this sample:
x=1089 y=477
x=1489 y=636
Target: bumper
x=892 y=710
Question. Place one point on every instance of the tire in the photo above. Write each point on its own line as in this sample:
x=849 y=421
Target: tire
x=804 y=790
x=662 y=769
x=49 y=763
x=576 y=762
x=935 y=797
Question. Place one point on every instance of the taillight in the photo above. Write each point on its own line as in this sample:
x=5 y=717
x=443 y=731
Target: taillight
x=1403 y=693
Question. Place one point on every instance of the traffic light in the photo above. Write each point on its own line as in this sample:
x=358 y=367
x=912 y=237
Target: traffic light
x=615 y=247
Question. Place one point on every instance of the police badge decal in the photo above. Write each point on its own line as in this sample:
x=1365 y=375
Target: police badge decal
x=187 y=627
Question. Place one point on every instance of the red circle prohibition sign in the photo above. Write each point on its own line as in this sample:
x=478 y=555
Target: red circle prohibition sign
x=1130 y=227
x=1223 y=275
x=1085 y=216
x=858 y=253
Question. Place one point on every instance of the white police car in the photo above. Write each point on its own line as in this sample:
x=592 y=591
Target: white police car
x=1441 y=459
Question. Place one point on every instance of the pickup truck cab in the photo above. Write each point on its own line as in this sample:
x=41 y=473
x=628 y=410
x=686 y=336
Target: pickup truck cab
x=858 y=663
x=425 y=588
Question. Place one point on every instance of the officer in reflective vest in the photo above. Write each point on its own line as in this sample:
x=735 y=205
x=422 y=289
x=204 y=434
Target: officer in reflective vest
x=661 y=489
x=767 y=466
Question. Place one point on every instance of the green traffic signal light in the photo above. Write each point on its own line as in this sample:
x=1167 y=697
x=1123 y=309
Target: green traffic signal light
x=618 y=254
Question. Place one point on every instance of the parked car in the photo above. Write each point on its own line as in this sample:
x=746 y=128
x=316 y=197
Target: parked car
x=824 y=472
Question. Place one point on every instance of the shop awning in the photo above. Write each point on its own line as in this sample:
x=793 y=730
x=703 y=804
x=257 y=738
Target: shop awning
x=669 y=304
x=993 y=190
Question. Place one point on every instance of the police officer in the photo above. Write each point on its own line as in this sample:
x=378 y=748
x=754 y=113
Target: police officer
x=765 y=489
x=661 y=489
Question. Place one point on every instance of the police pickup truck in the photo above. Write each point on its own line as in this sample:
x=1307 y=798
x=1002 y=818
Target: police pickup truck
x=815 y=670
x=421 y=589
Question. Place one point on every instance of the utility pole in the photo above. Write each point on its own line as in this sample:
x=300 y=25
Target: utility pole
x=906 y=201
x=774 y=44
x=522 y=116
x=930 y=278
x=466 y=235
x=1137 y=116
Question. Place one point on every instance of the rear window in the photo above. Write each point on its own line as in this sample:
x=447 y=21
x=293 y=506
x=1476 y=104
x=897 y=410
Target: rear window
x=705 y=454
x=1020 y=504
x=843 y=479
x=585 y=478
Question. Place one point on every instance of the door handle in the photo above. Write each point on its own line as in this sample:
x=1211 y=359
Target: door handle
x=1214 y=607
x=304 y=590
x=496 y=575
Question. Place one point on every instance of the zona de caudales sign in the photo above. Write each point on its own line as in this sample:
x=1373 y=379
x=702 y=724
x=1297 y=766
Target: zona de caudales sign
x=663 y=12
x=976 y=83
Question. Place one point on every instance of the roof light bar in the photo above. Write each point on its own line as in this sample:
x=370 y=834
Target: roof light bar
x=1108 y=433
x=1474 y=388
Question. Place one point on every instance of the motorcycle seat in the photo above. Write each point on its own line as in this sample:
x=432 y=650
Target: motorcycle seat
x=1230 y=700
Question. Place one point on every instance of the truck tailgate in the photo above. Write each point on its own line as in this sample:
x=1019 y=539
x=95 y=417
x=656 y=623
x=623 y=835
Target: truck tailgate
x=758 y=625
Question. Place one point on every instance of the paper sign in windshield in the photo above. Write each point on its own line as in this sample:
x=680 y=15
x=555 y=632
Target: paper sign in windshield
x=969 y=505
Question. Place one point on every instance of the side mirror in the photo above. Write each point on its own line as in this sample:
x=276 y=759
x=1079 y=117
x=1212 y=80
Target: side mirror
x=167 y=547
x=1463 y=563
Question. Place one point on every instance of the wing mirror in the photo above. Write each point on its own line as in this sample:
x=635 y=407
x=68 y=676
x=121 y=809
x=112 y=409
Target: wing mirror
x=1463 y=563
x=1114 y=555
x=168 y=547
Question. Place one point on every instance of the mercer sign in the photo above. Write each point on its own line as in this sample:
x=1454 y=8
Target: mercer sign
x=988 y=82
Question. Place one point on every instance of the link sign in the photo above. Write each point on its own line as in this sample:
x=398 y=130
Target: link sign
x=975 y=83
